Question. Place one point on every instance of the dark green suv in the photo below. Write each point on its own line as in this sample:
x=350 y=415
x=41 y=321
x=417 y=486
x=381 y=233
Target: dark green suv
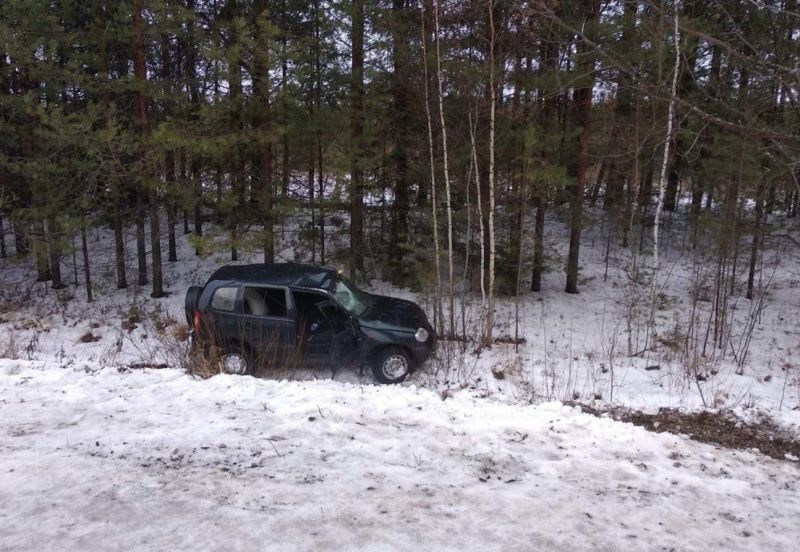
x=302 y=315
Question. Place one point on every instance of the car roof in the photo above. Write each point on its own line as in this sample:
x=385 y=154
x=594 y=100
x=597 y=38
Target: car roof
x=278 y=274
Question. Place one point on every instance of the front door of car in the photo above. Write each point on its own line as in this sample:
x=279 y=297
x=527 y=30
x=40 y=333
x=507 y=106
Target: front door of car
x=345 y=343
x=266 y=326
x=325 y=335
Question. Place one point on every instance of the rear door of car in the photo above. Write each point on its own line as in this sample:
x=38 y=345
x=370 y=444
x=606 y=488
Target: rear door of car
x=220 y=324
x=266 y=324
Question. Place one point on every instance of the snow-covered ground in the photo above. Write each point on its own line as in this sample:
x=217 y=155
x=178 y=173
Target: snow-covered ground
x=98 y=459
x=474 y=453
x=577 y=347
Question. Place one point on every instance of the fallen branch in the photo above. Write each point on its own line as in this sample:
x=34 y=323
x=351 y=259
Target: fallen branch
x=145 y=365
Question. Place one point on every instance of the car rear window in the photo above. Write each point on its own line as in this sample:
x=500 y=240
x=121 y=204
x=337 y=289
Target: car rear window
x=224 y=298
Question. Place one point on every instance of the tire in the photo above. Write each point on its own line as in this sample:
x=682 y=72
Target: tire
x=392 y=365
x=235 y=362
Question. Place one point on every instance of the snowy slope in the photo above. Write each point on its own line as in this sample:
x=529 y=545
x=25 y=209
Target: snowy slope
x=577 y=347
x=95 y=459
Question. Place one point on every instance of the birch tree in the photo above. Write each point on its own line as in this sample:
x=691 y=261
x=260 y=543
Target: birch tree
x=438 y=321
x=662 y=179
x=450 y=274
x=492 y=246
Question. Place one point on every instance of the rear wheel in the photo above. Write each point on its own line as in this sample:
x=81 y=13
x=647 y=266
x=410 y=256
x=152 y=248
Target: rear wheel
x=235 y=362
x=392 y=365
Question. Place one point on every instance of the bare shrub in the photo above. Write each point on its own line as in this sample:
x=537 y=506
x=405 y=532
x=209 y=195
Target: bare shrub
x=174 y=349
x=32 y=347
x=88 y=337
x=11 y=348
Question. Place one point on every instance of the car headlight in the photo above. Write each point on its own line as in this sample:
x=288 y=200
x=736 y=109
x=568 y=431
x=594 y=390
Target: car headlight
x=421 y=335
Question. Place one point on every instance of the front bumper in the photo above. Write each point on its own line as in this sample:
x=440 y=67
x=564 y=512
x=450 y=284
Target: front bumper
x=423 y=351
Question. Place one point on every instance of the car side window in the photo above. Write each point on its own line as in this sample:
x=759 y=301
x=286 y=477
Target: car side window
x=265 y=301
x=309 y=316
x=224 y=298
x=335 y=314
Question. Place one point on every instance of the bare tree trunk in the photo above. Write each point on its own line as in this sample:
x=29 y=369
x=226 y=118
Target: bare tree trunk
x=450 y=277
x=631 y=211
x=184 y=176
x=142 y=124
x=759 y=217
x=197 y=186
x=472 y=125
x=549 y=64
x=237 y=188
x=662 y=180
x=598 y=183
x=172 y=249
x=261 y=90
x=119 y=252
x=633 y=196
x=54 y=247
x=141 y=249
x=492 y=108
x=685 y=87
x=74 y=262
x=403 y=139
x=285 y=169
x=437 y=290
x=627 y=96
x=155 y=244
x=21 y=239
x=40 y=247
x=734 y=227
x=218 y=188
x=318 y=99
x=583 y=101
x=139 y=64
x=311 y=195
x=321 y=185
x=357 y=138
x=235 y=157
x=538 y=244
x=195 y=101
x=3 y=253
x=86 y=271
x=169 y=164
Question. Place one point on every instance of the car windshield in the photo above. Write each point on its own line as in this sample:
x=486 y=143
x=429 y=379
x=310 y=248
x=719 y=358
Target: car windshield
x=350 y=297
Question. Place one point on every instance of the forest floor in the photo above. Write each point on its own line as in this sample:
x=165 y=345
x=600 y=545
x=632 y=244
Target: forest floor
x=480 y=450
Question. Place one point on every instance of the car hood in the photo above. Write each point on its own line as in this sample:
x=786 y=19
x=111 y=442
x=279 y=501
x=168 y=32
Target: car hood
x=393 y=314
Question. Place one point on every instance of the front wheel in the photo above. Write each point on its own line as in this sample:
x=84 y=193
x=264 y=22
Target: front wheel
x=392 y=366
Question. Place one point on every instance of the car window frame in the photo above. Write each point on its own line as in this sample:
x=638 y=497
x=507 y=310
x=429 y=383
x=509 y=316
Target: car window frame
x=330 y=297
